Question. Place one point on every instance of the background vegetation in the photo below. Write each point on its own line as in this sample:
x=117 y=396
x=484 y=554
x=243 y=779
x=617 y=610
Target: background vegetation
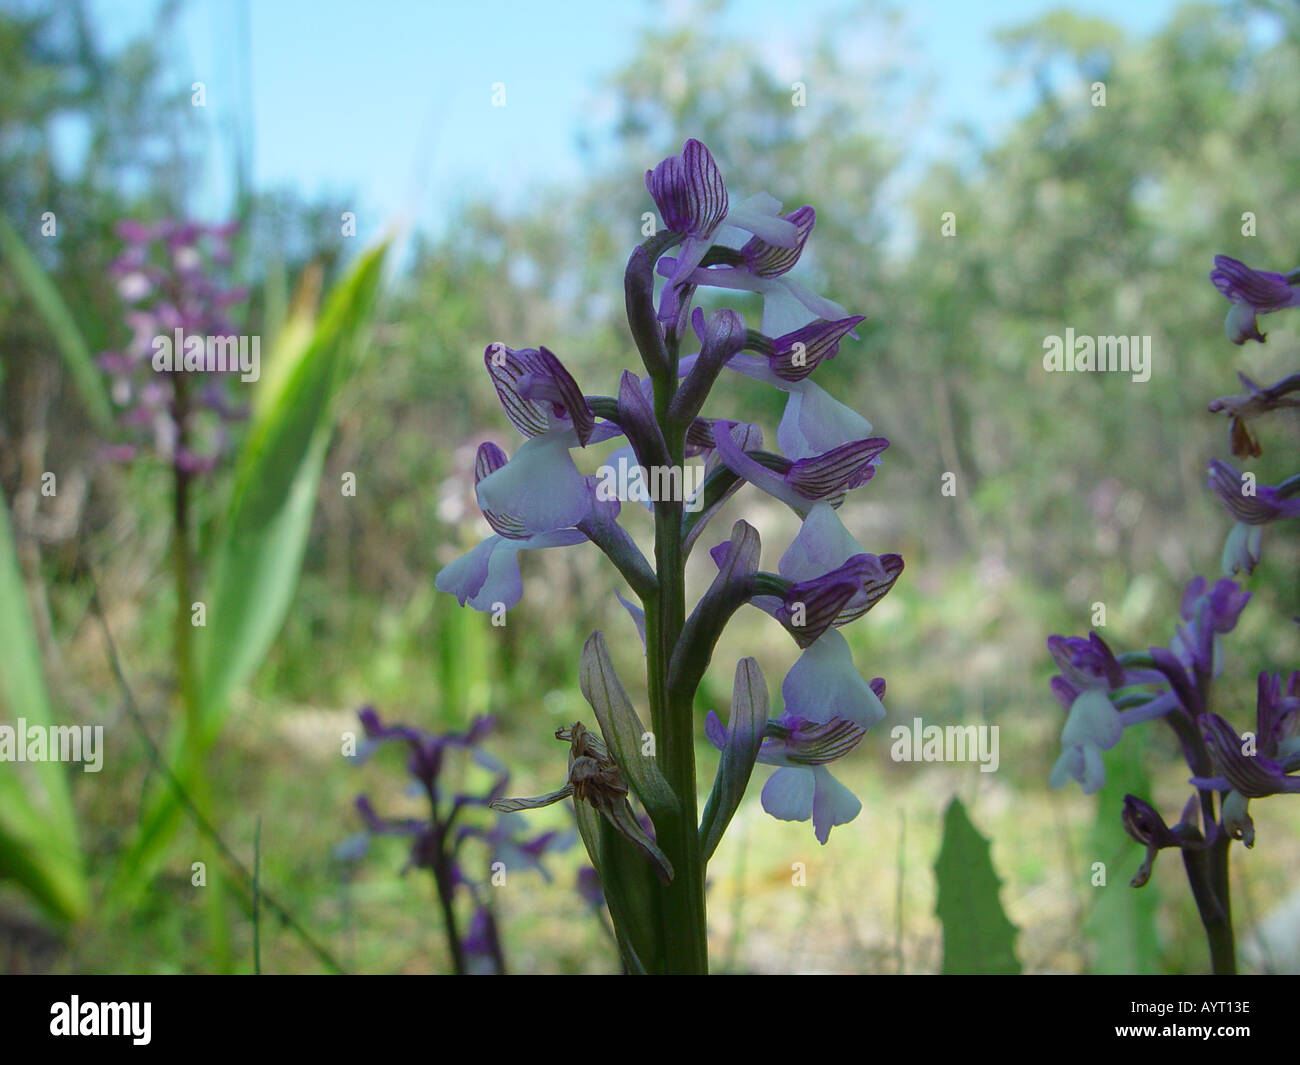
x=1072 y=489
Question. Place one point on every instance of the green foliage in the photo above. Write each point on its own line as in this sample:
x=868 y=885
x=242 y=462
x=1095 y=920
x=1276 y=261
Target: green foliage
x=259 y=551
x=38 y=829
x=59 y=319
x=1121 y=922
x=1071 y=489
x=977 y=937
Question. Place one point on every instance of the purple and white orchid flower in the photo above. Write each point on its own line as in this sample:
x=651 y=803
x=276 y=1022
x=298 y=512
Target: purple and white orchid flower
x=1252 y=506
x=814 y=731
x=1252 y=292
x=693 y=201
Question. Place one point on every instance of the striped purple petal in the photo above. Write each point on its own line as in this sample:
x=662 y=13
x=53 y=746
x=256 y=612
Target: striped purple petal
x=768 y=260
x=689 y=191
x=1264 y=290
x=794 y=356
x=1263 y=505
x=1253 y=775
x=537 y=392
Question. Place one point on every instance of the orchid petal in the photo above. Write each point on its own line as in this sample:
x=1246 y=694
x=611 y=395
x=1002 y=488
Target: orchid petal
x=823 y=544
x=788 y=794
x=833 y=804
x=814 y=422
x=540 y=487
x=824 y=684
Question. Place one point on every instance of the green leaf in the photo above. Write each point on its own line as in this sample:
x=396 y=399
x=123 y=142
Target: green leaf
x=622 y=728
x=260 y=549
x=745 y=729
x=39 y=849
x=977 y=937
x=1120 y=926
x=62 y=326
x=630 y=888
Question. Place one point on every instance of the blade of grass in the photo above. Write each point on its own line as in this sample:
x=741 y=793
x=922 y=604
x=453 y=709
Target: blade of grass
x=58 y=318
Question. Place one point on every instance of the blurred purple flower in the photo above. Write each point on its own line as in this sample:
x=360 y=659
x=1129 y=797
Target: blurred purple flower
x=1252 y=292
x=167 y=277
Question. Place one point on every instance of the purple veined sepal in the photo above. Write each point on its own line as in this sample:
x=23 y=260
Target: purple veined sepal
x=808 y=609
x=537 y=393
x=784 y=360
x=689 y=191
x=825 y=578
x=1253 y=775
x=1264 y=763
x=1277 y=715
x=1264 y=504
x=800 y=483
x=1086 y=662
x=1252 y=292
x=1144 y=824
x=693 y=202
x=795 y=355
x=760 y=266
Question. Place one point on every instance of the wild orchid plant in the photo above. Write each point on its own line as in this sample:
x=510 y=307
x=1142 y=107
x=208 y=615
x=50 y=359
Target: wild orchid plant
x=652 y=868
x=439 y=842
x=171 y=382
x=1103 y=694
x=168 y=277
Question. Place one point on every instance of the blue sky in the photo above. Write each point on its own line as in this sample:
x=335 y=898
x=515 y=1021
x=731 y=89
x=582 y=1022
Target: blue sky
x=387 y=102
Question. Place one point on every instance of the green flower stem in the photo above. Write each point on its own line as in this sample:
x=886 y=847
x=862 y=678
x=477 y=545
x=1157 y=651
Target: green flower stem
x=186 y=674
x=682 y=909
x=672 y=720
